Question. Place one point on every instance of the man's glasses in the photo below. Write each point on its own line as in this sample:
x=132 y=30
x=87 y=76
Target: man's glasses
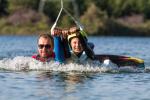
x=41 y=46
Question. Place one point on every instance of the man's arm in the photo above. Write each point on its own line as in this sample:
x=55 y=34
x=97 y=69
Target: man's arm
x=58 y=49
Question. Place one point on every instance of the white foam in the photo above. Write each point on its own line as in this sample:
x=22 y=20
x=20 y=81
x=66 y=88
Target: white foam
x=21 y=63
x=147 y=69
x=107 y=65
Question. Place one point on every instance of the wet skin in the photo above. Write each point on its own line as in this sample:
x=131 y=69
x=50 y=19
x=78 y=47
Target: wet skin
x=76 y=46
x=47 y=47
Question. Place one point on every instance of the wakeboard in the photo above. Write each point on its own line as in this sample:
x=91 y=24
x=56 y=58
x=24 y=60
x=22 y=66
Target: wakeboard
x=122 y=61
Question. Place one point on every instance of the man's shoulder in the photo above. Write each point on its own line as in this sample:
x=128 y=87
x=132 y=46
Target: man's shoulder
x=34 y=56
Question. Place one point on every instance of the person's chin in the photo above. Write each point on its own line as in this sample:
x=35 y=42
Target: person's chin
x=78 y=51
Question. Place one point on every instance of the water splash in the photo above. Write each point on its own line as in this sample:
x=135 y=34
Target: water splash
x=21 y=63
x=147 y=69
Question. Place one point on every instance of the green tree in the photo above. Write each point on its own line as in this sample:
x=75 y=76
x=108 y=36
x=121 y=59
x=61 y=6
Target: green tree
x=51 y=9
x=147 y=9
x=3 y=7
x=19 y=4
x=118 y=8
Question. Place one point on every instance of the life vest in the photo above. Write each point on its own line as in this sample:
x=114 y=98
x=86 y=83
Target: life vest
x=83 y=59
x=75 y=59
x=50 y=57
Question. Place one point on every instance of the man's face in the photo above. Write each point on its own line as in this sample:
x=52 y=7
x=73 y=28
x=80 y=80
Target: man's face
x=45 y=47
x=76 y=45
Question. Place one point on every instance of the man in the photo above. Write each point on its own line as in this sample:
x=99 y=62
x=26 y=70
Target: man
x=45 y=48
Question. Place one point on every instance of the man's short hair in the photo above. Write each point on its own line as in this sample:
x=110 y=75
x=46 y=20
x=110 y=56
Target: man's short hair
x=46 y=36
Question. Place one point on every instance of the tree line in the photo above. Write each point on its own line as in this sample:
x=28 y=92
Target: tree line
x=80 y=8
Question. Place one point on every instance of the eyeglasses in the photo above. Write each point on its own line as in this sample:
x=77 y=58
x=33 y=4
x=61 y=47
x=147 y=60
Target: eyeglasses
x=41 y=46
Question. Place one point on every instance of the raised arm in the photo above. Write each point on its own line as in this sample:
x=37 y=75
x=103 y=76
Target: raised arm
x=58 y=46
x=88 y=50
x=58 y=49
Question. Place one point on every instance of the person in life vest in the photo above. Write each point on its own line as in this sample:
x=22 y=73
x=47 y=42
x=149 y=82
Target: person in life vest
x=80 y=50
x=45 y=48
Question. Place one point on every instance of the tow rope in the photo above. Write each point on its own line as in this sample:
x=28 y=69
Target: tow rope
x=74 y=19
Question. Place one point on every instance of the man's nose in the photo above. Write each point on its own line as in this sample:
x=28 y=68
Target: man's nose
x=44 y=48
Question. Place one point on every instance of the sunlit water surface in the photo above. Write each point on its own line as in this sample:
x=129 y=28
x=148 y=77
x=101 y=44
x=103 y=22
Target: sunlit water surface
x=51 y=81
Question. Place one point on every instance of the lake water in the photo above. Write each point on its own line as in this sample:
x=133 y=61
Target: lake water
x=17 y=84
